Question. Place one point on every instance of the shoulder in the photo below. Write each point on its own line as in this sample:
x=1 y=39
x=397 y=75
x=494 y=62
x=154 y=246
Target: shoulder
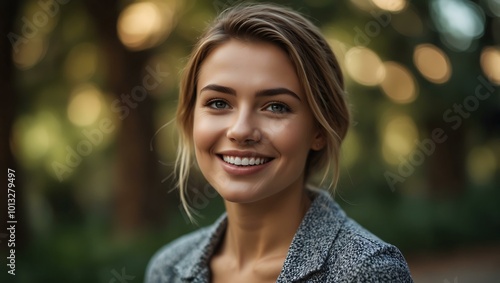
x=360 y=256
x=331 y=247
x=184 y=250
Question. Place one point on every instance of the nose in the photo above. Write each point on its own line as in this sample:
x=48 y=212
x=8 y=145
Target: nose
x=244 y=130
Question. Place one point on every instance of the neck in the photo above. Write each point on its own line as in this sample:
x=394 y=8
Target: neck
x=264 y=229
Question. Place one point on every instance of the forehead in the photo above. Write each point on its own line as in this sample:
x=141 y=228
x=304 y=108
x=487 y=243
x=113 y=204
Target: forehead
x=254 y=64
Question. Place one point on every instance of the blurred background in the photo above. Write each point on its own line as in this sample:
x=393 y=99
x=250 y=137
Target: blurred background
x=89 y=88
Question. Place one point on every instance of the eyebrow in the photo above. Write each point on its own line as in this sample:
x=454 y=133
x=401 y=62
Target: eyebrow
x=264 y=92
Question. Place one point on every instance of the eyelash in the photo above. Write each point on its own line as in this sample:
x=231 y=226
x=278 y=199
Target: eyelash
x=210 y=103
x=286 y=109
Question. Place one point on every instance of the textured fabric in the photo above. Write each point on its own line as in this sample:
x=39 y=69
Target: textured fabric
x=327 y=247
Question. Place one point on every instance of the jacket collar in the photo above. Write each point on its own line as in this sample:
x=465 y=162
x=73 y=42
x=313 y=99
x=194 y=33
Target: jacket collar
x=307 y=253
x=314 y=238
x=195 y=266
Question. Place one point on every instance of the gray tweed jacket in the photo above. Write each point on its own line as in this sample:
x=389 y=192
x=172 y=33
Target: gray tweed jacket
x=327 y=247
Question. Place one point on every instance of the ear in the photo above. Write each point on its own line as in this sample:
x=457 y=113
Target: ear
x=319 y=141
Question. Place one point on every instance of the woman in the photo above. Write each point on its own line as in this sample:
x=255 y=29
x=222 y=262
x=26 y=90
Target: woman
x=262 y=104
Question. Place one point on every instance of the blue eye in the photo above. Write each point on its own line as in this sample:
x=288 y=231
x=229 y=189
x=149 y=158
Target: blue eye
x=278 y=108
x=218 y=104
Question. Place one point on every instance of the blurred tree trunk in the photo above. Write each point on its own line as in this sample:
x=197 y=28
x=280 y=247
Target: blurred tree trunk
x=140 y=201
x=446 y=169
x=8 y=14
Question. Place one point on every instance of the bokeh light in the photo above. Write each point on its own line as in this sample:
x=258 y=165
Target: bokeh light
x=399 y=84
x=458 y=21
x=85 y=105
x=490 y=63
x=36 y=140
x=432 y=63
x=399 y=135
x=144 y=25
x=365 y=5
x=81 y=63
x=28 y=54
x=390 y=5
x=481 y=164
x=364 y=66
x=34 y=136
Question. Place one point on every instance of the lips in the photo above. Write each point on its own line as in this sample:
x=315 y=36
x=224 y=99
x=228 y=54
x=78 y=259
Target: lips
x=245 y=161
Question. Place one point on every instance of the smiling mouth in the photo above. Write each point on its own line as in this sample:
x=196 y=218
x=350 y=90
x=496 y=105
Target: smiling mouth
x=244 y=161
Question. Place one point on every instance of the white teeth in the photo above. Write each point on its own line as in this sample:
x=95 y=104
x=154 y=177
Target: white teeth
x=245 y=161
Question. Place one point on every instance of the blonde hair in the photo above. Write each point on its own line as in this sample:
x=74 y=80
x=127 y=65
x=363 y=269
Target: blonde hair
x=317 y=68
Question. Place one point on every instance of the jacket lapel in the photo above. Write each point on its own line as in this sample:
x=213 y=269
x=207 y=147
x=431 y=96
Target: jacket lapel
x=313 y=240
x=195 y=266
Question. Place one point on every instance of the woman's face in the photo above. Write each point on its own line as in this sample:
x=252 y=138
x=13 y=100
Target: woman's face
x=253 y=127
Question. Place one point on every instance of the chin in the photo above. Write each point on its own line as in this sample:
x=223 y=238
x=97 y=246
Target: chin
x=238 y=197
x=241 y=194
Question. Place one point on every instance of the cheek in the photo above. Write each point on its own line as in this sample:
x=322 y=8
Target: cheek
x=206 y=131
x=291 y=136
x=201 y=134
